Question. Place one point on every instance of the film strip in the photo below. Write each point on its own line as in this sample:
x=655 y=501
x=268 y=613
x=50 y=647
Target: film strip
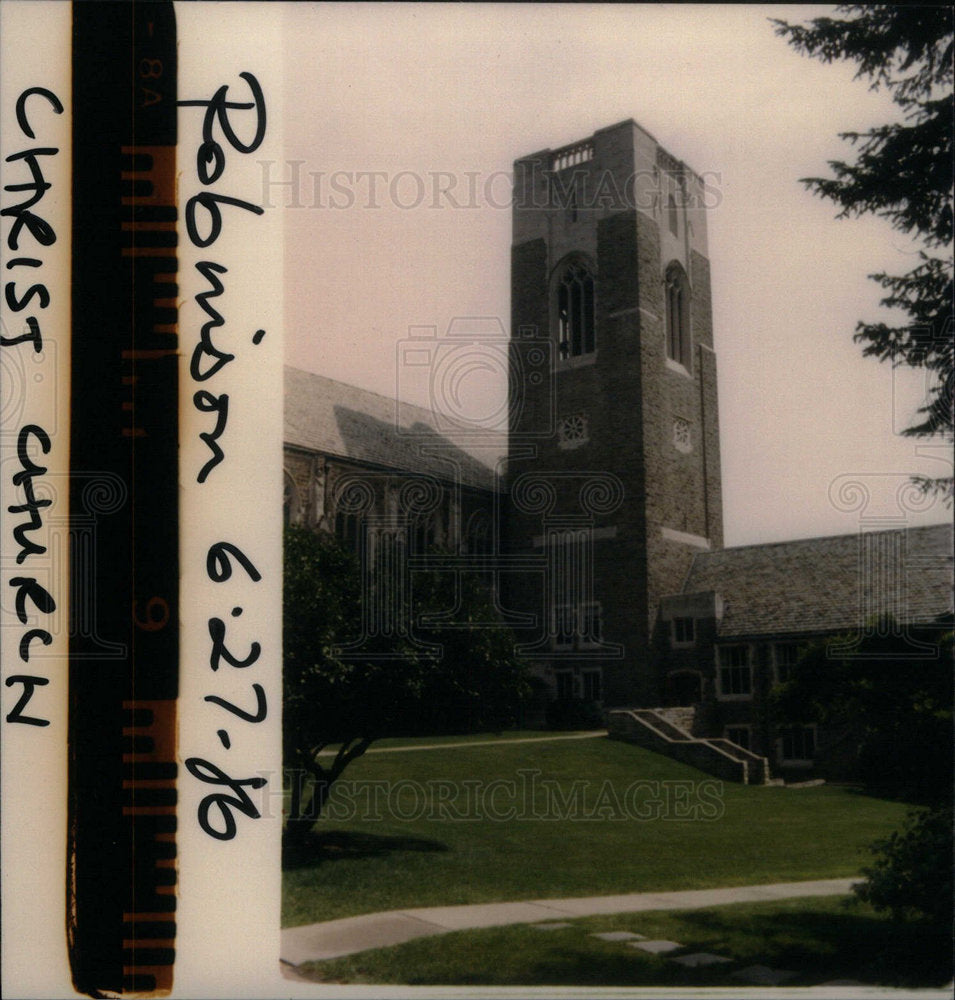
x=123 y=677
x=140 y=419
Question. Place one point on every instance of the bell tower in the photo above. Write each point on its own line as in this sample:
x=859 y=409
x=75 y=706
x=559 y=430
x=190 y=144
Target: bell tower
x=614 y=463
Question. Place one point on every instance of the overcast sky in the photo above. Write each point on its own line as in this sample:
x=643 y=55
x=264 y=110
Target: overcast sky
x=442 y=99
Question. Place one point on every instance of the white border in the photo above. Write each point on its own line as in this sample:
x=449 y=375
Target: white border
x=36 y=46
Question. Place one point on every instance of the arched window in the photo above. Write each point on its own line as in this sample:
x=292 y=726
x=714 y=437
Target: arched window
x=575 y=311
x=348 y=530
x=573 y=207
x=289 y=501
x=478 y=539
x=423 y=532
x=677 y=290
x=672 y=216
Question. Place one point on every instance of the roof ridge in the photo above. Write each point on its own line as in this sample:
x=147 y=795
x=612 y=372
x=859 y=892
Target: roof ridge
x=369 y=392
x=352 y=423
x=828 y=583
x=827 y=538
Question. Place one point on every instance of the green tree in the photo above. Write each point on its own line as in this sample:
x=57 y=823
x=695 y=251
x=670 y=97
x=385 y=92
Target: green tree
x=460 y=673
x=478 y=682
x=898 y=709
x=903 y=173
x=892 y=692
x=911 y=877
x=329 y=700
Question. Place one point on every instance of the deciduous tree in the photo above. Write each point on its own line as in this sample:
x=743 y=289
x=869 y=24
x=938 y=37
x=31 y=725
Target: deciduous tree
x=891 y=690
x=454 y=670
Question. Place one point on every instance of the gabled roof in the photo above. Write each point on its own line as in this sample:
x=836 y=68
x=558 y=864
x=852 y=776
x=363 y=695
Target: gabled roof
x=333 y=418
x=828 y=584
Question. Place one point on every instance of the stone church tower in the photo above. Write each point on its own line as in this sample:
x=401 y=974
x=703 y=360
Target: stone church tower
x=614 y=463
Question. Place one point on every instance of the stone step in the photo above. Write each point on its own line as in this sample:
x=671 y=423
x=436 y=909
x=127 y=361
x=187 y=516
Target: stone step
x=653 y=730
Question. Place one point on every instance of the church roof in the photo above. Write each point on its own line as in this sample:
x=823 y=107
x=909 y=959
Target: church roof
x=334 y=418
x=828 y=584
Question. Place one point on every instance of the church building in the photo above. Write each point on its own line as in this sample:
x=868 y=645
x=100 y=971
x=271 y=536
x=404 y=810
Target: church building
x=596 y=512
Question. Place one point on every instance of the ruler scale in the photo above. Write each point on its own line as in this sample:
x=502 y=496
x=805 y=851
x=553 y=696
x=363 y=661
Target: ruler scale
x=124 y=646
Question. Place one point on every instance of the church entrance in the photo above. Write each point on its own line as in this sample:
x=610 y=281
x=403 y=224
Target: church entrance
x=684 y=688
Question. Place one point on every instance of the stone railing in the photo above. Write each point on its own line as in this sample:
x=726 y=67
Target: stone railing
x=648 y=729
x=571 y=156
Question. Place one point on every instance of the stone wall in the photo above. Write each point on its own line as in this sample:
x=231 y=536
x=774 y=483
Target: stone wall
x=627 y=393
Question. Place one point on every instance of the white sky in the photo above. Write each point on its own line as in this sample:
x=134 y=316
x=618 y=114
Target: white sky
x=466 y=89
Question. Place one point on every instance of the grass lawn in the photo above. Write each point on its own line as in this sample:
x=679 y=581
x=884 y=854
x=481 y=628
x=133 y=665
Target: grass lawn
x=820 y=939
x=524 y=735
x=496 y=823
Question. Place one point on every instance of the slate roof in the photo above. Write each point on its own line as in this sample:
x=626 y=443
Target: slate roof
x=334 y=418
x=828 y=584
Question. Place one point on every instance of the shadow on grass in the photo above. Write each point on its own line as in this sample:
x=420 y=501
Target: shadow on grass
x=830 y=944
x=563 y=963
x=584 y=968
x=853 y=943
x=335 y=845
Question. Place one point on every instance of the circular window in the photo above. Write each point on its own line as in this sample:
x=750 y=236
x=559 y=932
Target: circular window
x=572 y=431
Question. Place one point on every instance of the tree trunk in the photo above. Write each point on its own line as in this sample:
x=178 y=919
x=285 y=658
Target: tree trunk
x=300 y=817
x=321 y=790
x=304 y=810
x=295 y=800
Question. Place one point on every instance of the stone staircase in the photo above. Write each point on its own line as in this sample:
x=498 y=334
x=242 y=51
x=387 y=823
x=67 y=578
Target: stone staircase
x=655 y=729
x=683 y=717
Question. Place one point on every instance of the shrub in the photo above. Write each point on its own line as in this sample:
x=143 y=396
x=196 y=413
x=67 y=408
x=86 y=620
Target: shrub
x=573 y=713
x=912 y=874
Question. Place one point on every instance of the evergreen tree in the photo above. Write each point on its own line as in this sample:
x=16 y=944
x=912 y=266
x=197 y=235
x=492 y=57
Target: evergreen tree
x=903 y=173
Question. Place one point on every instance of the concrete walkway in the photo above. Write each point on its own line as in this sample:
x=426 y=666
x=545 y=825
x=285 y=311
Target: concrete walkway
x=590 y=734
x=334 y=938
